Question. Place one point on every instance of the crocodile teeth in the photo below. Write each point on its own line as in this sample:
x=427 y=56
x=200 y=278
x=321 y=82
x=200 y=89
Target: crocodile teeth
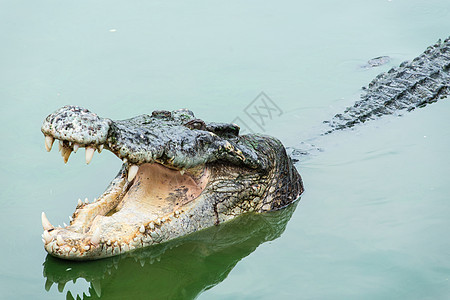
x=49 y=142
x=142 y=229
x=59 y=240
x=182 y=172
x=75 y=147
x=65 y=152
x=95 y=239
x=132 y=171
x=60 y=145
x=100 y=148
x=80 y=202
x=45 y=223
x=47 y=237
x=89 y=154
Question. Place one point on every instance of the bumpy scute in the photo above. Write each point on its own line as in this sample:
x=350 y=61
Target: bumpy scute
x=76 y=124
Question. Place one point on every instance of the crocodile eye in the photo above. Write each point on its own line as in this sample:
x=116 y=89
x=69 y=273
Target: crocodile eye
x=160 y=114
x=196 y=124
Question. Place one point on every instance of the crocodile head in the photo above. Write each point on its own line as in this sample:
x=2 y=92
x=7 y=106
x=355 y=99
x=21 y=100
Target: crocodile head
x=179 y=175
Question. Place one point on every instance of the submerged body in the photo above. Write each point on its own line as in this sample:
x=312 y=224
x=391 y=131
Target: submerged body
x=413 y=84
x=181 y=174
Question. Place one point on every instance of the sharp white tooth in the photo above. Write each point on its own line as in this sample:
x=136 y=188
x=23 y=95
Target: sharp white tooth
x=87 y=247
x=80 y=202
x=75 y=147
x=47 y=237
x=95 y=239
x=182 y=172
x=86 y=200
x=70 y=218
x=66 y=153
x=142 y=229
x=89 y=154
x=59 y=240
x=43 y=241
x=45 y=223
x=124 y=160
x=100 y=148
x=60 y=145
x=65 y=225
x=49 y=142
x=132 y=171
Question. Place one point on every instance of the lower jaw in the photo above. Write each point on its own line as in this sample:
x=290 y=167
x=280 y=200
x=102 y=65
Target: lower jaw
x=156 y=216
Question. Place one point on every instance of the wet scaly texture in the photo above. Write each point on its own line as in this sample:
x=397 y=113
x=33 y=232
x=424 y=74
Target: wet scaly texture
x=180 y=174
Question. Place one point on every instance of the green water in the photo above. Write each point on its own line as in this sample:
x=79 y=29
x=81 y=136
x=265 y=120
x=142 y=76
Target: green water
x=374 y=220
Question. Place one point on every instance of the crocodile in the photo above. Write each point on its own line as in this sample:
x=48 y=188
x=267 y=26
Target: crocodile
x=181 y=174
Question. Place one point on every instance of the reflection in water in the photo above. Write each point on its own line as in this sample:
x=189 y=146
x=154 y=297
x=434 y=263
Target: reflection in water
x=180 y=269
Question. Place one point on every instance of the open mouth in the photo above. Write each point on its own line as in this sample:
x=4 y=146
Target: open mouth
x=179 y=175
x=139 y=200
x=156 y=196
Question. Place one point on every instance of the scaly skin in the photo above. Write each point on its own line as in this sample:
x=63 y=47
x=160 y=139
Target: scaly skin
x=222 y=174
x=413 y=84
x=228 y=175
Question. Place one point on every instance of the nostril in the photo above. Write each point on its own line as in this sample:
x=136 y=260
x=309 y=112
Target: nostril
x=75 y=124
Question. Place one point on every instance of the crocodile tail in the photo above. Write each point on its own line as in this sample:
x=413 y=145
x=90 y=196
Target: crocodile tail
x=416 y=83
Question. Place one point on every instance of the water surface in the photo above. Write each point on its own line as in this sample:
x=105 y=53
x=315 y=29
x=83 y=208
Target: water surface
x=373 y=222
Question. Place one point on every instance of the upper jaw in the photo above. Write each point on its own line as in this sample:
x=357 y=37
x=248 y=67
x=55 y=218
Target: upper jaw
x=175 y=139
